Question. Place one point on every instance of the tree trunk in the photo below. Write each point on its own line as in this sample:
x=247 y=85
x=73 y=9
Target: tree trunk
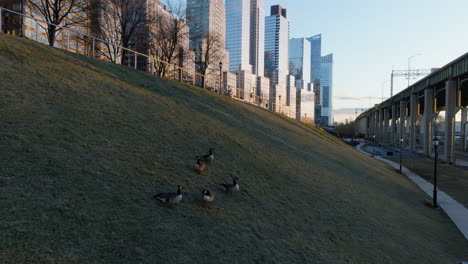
x=124 y=58
x=51 y=29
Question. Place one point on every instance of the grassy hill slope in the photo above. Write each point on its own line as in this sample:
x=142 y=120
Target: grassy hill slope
x=85 y=144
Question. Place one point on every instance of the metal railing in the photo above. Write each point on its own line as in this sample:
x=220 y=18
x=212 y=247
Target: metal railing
x=175 y=72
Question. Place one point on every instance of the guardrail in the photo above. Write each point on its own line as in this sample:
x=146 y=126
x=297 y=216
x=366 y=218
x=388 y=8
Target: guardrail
x=175 y=71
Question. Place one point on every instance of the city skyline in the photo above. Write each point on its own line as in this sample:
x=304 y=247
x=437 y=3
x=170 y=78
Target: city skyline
x=373 y=37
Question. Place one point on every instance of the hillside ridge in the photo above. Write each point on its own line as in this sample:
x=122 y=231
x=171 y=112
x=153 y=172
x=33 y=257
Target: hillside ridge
x=86 y=144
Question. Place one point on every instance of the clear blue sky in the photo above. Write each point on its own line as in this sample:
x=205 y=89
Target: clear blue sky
x=369 y=37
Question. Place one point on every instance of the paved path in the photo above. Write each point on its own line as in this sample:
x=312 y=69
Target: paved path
x=457 y=212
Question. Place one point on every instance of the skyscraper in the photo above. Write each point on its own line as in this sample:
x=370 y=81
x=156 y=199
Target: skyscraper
x=316 y=57
x=326 y=80
x=315 y=71
x=277 y=44
x=207 y=17
x=300 y=59
x=238 y=34
x=257 y=36
x=276 y=55
x=207 y=23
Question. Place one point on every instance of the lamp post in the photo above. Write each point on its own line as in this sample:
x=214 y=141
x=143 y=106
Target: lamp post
x=220 y=75
x=435 y=141
x=409 y=64
x=401 y=153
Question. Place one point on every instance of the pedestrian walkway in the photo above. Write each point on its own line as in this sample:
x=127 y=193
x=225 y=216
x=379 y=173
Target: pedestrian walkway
x=457 y=212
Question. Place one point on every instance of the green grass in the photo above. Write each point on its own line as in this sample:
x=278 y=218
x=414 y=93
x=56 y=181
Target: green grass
x=450 y=179
x=85 y=145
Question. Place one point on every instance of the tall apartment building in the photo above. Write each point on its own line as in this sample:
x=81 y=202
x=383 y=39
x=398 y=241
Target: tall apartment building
x=25 y=26
x=207 y=19
x=12 y=24
x=238 y=34
x=326 y=80
x=276 y=53
x=245 y=35
x=257 y=36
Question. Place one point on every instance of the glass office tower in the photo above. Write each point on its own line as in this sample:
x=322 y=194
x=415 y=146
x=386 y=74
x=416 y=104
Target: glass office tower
x=257 y=36
x=326 y=79
x=299 y=59
x=238 y=34
x=316 y=57
x=207 y=17
x=277 y=45
x=315 y=71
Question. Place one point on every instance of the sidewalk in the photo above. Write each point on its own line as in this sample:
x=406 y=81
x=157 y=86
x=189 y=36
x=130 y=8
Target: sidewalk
x=457 y=212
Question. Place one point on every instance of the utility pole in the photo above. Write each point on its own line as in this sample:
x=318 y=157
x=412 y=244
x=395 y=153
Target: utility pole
x=391 y=84
x=407 y=73
x=409 y=67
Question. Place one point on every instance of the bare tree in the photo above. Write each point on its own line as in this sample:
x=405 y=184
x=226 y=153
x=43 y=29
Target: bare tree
x=131 y=17
x=63 y=13
x=117 y=22
x=105 y=25
x=208 y=53
x=168 y=34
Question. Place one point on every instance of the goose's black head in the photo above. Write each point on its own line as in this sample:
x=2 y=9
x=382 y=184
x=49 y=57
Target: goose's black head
x=234 y=180
x=179 y=189
x=206 y=192
x=211 y=151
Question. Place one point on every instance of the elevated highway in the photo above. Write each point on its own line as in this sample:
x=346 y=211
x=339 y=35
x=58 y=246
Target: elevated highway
x=423 y=110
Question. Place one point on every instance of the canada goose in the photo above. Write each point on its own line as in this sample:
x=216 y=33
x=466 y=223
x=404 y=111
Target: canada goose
x=207 y=196
x=231 y=187
x=199 y=166
x=208 y=157
x=170 y=197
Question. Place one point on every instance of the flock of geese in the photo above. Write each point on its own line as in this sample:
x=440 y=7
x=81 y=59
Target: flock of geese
x=207 y=196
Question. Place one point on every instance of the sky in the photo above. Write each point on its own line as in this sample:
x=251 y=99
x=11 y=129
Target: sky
x=369 y=38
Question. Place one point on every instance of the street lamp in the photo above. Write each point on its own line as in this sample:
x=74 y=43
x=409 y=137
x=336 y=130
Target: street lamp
x=409 y=64
x=401 y=151
x=220 y=75
x=435 y=141
x=373 y=146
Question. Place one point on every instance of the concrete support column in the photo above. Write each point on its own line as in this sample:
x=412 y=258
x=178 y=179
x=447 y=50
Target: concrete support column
x=427 y=120
x=449 y=124
x=464 y=119
x=386 y=134
x=376 y=130
x=401 y=128
x=380 y=133
x=394 y=128
x=374 y=124
x=412 y=122
x=367 y=127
